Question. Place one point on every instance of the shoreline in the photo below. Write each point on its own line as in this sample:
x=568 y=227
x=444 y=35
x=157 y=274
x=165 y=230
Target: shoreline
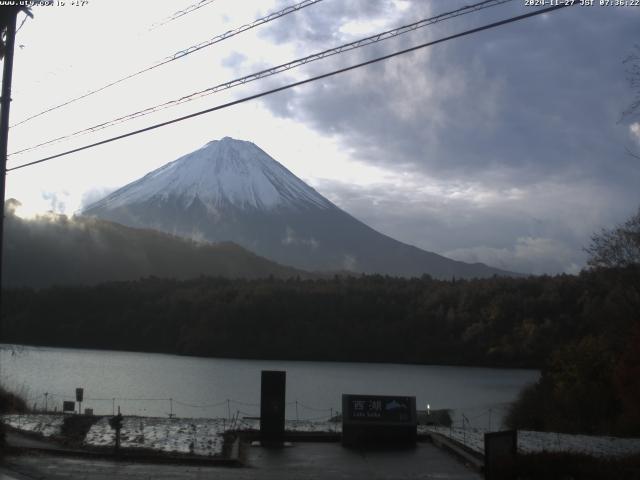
x=281 y=359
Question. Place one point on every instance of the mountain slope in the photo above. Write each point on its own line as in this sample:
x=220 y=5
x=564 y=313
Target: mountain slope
x=56 y=250
x=231 y=190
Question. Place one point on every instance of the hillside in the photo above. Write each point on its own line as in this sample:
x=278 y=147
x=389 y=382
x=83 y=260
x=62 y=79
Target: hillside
x=57 y=250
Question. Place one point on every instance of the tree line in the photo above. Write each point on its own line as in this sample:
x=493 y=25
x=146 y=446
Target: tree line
x=503 y=322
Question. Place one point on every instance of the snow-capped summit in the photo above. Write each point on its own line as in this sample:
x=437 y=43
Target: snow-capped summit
x=231 y=190
x=221 y=173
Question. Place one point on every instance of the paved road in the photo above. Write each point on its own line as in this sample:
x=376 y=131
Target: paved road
x=304 y=461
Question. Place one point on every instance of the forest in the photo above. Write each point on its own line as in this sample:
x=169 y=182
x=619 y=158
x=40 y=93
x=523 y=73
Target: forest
x=503 y=322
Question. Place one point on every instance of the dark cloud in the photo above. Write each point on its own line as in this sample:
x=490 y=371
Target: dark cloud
x=320 y=23
x=517 y=230
x=533 y=106
x=513 y=105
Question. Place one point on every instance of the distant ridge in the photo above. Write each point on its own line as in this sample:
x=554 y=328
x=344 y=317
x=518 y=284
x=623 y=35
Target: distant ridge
x=231 y=190
x=56 y=250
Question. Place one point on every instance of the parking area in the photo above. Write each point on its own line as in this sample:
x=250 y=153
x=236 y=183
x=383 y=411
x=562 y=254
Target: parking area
x=310 y=461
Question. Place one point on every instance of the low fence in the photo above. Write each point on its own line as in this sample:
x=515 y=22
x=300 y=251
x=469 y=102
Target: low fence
x=228 y=409
x=541 y=442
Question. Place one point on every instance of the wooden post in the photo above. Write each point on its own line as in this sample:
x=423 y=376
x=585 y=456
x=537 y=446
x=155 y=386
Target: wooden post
x=5 y=103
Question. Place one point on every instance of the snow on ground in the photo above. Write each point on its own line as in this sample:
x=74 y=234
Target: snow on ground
x=202 y=436
x=298 y=426
x=309 y=426
x=45 y=425
x=196 y=436
x=537 y=442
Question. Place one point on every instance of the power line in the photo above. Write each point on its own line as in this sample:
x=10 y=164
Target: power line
x=243 y=28
x=301 y=82
x=275 y=70
x=210 y=405
x=182 y=53
x=182 y=13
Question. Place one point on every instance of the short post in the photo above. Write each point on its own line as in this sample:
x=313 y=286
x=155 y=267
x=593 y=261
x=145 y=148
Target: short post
x=331 y=419
x=116 y=423
x=464 y=431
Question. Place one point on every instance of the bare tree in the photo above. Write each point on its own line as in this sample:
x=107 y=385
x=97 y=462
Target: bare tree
x=618 y=247
x=632 y=63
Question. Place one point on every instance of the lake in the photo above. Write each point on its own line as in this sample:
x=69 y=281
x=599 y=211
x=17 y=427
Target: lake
x=158 y=384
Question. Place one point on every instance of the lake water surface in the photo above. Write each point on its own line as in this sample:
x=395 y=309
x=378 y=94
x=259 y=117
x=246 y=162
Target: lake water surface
x=158 y=384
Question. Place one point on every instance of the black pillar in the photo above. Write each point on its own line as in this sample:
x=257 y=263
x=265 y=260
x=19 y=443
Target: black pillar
x=272 y=404
x=5 y=101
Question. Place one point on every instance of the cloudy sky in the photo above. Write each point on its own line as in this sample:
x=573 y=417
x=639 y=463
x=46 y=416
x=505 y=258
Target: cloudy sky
x=507 y=147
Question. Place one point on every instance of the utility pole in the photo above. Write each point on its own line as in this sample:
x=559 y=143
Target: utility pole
x=5 y=102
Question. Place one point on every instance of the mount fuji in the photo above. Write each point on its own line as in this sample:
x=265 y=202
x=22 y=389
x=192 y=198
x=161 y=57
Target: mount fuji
x=231 y=190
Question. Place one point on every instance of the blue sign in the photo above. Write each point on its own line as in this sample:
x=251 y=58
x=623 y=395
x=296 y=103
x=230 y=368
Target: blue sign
x=379 y=408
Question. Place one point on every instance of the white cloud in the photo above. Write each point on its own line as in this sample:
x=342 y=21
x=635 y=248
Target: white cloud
x=291 y=238
x=349 y=262
x=527 y=255
x=93 y=195
x=539 y=229
x=634 y=130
